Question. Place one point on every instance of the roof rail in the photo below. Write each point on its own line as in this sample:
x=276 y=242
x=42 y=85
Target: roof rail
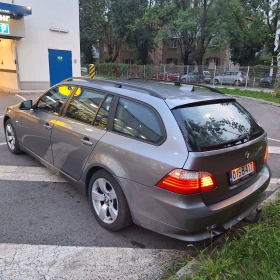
x=118 y=85
x=178 y=83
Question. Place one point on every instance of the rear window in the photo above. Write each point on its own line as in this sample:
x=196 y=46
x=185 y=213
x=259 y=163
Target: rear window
x=216 y=126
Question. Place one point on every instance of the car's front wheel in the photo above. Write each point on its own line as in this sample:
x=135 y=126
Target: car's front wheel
x=11 y=138
x=216 y=82
x=184 y=81
x=108 y=202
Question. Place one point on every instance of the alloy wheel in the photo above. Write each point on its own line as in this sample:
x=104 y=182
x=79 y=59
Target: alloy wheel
x=104 y=200
x=11 y=140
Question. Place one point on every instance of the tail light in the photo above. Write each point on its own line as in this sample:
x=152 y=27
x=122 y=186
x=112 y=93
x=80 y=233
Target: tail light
x=266 y=154
x=187 y=182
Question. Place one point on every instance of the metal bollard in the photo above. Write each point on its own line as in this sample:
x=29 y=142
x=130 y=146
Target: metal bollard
x=92 y=72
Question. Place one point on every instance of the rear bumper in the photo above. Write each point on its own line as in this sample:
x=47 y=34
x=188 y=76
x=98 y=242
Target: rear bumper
x=187 y=217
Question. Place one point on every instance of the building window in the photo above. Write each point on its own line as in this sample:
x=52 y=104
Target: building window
x=172 y=61
x=128 y=61
x=173 y=44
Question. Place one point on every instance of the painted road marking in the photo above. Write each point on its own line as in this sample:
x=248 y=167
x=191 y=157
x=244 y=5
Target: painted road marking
x=24 y=173
x=40 y=262
x=21 y=97
x=273 y=139
x=273 y=150
x=2 y=144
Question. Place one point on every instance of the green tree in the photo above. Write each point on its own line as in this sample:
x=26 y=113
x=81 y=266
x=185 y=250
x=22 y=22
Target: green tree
x=246 y=32
x=132 y=26
x=92 y=26
x=270 y=9
x=194 y=24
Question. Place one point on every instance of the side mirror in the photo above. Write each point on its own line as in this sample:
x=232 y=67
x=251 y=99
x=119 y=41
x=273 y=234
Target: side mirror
x=26 y=105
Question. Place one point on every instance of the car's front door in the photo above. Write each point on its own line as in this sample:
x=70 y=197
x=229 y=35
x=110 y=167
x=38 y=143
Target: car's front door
x=77 y=132
x=36 y=124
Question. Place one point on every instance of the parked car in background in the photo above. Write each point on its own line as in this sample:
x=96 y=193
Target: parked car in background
x=84 y=71
x=266 y=82
x=196 y=77
x=167 y=76
x=231 y=78
x=182 y=161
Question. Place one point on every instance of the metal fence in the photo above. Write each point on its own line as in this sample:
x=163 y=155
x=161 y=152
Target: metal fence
x=263 y=77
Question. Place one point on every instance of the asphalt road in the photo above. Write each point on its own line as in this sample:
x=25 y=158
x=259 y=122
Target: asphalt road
x=48 y=213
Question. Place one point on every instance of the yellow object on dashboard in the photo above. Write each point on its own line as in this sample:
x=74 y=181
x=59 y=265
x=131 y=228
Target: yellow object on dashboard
x=67 y=90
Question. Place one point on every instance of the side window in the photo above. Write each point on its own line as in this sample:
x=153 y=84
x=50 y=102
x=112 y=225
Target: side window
x=53 y=100
x=101 y=119
x=84 y=105
x=138 y=121
x=227 y=73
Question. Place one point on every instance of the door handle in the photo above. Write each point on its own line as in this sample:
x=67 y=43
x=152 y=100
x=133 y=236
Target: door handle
x=47 y=126
x=86 y=142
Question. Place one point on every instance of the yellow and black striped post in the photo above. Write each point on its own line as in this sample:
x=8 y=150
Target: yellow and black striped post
x=92 y=71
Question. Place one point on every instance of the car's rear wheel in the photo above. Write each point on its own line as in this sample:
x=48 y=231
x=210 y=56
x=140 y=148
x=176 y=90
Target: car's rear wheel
x=11 y=138
x=108 y=202
x=266 y=85
x=236 y=83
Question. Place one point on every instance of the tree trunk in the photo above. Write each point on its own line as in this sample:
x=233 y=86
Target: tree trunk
x=186 y=58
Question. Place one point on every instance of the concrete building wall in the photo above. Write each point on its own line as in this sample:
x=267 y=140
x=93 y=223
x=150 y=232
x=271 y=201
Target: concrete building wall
x=32 y=51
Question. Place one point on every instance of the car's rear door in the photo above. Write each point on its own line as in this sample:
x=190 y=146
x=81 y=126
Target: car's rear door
x=36 y=125
x=78 y=130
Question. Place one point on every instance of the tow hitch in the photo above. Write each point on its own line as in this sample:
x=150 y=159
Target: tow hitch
x=254 y=219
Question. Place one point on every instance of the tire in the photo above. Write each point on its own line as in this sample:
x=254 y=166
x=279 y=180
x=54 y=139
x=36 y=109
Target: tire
x=109 y=197
x=236 y=83
x=184 y=81
x=11 y=138
x=216 y=82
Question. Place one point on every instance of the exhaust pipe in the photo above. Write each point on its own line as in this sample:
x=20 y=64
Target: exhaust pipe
x=216 y=229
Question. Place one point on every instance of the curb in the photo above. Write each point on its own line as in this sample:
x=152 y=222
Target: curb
x=255 y=99
x=21 y=92
x=194 y=265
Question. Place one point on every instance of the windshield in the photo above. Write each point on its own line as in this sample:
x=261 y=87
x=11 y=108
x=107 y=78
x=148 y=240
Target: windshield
x=214 y=126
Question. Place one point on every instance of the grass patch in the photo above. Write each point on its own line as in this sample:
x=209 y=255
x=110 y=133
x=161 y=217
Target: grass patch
x=254 y=94
x=253 y=254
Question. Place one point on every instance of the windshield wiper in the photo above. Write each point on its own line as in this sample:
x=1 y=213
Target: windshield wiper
x=240 y=138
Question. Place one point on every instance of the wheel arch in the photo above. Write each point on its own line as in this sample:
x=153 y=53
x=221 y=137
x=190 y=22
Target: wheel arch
x=6 y=118
x=90 y=172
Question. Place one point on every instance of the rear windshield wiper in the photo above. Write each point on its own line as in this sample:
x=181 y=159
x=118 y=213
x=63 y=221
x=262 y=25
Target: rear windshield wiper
x=240 y=138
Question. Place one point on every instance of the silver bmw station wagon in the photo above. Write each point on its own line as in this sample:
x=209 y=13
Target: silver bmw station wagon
x=187 y=162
